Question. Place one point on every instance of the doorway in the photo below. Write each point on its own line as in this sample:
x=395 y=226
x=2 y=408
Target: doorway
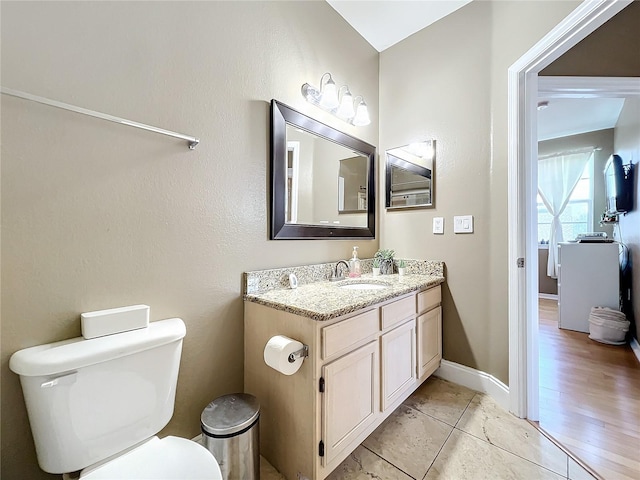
x=523 y=96
x=523 y=184
x=588 y=391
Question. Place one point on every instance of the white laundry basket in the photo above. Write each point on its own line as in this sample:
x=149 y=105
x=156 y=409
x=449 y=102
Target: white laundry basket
x=608 y=326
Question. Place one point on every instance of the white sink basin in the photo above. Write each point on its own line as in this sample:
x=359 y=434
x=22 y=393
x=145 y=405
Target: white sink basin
x=363 y=286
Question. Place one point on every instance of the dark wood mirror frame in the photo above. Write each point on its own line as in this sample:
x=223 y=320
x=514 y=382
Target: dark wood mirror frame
x=281 y=115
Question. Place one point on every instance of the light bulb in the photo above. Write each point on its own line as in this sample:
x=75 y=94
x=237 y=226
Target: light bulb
x=329 y=96
x=362 y=115
x=345 y=111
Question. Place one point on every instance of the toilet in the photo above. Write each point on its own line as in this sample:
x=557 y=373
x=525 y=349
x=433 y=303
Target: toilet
x=96 y=406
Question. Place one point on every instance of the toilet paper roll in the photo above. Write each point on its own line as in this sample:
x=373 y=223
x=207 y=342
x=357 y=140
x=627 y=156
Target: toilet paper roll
x=277 y=351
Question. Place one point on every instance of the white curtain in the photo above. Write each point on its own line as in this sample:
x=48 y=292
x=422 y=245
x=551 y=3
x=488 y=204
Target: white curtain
x=558 y=176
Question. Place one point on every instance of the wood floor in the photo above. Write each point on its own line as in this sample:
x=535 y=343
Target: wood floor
x=590 y=397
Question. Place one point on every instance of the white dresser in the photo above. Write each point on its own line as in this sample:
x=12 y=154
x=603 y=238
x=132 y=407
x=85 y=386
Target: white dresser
x=588 y=276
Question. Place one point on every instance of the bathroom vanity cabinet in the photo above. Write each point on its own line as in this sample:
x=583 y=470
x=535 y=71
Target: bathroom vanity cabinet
x=361 y=366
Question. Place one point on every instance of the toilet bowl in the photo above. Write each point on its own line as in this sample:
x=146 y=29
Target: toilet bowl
x=171 y=458
x=96 y=406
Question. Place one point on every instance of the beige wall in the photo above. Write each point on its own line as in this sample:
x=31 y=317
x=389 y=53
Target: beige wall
x=354 y=171
x=449 y=82
x=610 y=51
x=546 y=284
x=627 y=145
x=326 y=165
x=98 y=215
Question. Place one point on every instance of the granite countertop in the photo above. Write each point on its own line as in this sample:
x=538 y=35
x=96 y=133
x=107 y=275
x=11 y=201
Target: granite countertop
x=325 y=300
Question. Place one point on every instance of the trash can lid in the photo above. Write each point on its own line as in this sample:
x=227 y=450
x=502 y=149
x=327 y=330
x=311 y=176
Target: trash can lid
x=230 y=414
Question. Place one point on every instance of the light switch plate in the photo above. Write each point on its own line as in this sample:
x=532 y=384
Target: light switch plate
x=438 y=225
x=463 y=224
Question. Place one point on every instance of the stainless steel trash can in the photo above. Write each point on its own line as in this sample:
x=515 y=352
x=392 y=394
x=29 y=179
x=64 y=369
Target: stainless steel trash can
x=230 y=431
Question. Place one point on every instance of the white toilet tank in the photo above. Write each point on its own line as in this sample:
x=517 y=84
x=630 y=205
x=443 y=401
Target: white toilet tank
x=90 y=399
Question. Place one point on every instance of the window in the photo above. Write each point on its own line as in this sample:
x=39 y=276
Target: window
x=578 y=214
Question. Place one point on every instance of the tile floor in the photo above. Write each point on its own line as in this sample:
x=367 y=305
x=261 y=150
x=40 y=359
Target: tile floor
x=446 y=431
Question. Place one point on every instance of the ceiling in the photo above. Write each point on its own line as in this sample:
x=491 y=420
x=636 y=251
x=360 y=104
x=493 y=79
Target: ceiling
x=572 y=116
x=383 y=23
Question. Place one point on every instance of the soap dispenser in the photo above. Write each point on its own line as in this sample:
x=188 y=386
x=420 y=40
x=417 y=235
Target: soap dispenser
x=354 y=264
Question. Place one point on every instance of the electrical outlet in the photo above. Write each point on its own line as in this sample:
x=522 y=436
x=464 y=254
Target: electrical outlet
x=463 y=224
x=438 y=225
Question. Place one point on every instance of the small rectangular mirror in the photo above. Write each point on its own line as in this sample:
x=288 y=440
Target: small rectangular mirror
x=410 y=179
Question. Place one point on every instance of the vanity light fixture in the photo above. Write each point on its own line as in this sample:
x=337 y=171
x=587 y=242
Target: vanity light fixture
x=339 y=102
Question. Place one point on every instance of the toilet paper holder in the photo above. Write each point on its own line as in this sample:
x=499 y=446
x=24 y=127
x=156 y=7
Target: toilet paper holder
x=303 y=352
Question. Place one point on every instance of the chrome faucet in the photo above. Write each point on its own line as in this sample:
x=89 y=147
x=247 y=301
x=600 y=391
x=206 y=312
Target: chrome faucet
x=335 y=276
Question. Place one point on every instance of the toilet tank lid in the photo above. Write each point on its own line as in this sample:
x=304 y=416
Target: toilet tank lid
x=60 y=357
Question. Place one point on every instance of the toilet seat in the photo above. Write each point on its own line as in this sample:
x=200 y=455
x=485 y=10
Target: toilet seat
x=171 y=458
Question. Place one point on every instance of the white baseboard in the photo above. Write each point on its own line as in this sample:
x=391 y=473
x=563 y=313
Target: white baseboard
x=548 y=296
x=197 y=439
x=635 y=346
x=475 y=380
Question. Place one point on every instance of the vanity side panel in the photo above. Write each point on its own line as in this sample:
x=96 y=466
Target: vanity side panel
x=287 y=402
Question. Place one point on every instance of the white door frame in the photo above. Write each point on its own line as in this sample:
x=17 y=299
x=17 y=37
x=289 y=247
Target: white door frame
x=523 y=181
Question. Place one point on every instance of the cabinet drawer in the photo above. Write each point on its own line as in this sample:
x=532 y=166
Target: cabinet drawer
x=396 y=312
x=341 y=336
x=429 y=299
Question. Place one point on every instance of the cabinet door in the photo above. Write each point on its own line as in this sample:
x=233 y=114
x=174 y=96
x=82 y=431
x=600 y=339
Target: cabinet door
x=350 y=401
x=429 y=342
x=398 y=353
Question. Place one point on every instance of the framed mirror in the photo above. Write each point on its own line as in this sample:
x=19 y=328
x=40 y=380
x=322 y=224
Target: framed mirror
x=410 y=176
x=322 y=180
